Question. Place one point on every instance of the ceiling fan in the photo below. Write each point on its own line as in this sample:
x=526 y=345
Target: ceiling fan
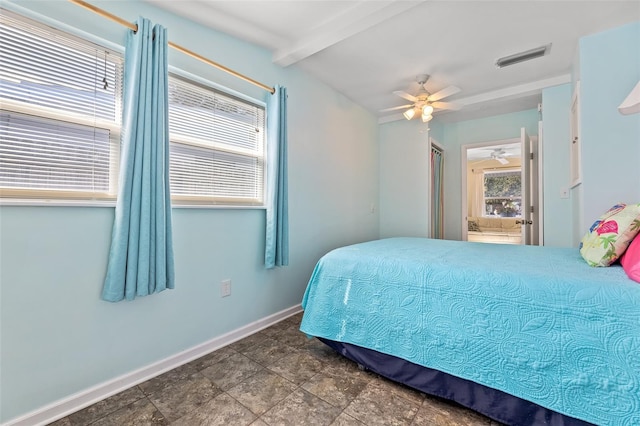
x=505 y=154
x=500 y=155
x=424 y=103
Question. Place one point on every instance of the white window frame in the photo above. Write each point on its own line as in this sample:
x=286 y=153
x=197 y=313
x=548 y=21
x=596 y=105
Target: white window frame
x=261 y=155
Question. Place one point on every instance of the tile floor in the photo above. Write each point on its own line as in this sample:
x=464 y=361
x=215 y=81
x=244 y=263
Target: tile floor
x=274 y=377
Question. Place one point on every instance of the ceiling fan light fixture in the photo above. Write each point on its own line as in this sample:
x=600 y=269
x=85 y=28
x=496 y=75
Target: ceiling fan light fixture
x=424 y=103
x=427 y=110
x=523 y=56
x=408 y=114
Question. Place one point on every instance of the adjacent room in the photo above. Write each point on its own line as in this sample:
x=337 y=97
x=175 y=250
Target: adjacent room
x=218 y=212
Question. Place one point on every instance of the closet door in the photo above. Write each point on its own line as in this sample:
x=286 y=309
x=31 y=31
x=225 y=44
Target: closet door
x=436 y=188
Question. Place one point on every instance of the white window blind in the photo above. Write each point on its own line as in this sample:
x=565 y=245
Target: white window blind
x=217 y=146
x=60 y=100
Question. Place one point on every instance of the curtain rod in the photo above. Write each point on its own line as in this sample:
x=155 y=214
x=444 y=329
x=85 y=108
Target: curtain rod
x=179 y=48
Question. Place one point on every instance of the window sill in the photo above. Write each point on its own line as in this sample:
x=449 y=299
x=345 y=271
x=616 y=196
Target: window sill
x=112 y=204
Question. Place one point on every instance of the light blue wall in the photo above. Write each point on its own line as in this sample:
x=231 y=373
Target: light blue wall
x=58 y=338
x=436 y=130
x=404 y=179
x=609 y=69
x=558 y=226
x=500 y=127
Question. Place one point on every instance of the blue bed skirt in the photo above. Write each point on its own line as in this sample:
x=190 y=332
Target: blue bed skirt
x=493 y=403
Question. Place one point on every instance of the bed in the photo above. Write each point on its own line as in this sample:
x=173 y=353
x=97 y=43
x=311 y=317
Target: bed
x=522 y=334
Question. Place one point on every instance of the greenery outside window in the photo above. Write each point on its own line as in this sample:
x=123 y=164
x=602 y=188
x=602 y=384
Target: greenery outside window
x=503 y=193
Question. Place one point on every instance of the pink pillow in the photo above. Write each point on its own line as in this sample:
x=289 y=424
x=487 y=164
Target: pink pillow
x=630 y=260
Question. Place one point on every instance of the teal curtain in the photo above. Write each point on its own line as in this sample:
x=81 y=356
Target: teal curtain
x=277 y=224
x=437 y=201
x=141 y=255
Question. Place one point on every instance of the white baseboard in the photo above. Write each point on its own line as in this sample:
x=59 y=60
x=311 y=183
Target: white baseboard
x=82 y=399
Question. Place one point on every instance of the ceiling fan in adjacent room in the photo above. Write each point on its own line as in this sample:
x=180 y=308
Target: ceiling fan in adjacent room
x=500 y=155
x=424 y=103
x=504 y=154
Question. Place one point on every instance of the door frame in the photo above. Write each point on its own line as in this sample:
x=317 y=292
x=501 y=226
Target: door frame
x=463 y=162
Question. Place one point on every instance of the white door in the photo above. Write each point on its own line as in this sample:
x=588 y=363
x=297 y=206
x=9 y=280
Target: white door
x=536 y=186
x=525 y=220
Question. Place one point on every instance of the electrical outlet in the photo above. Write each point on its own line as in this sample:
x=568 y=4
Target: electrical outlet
x=225 y=288
x=564 y=192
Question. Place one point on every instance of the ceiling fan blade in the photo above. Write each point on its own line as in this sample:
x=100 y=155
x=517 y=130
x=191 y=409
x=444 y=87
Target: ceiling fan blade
x=405 y=95
x=396 y=108
x=502 y=160
x=447 y=91
x=447 y=105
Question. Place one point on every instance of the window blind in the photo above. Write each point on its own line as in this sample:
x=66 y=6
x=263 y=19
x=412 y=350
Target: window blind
x=60 y=115
x=44 y=154
x=217 y=145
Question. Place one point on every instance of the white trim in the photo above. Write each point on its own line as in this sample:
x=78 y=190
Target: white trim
x=464 y=204
x=575 y=143
x=520 y=90
x=540 y=206
x=84 y=398
x=53 y=202
x=438 y=145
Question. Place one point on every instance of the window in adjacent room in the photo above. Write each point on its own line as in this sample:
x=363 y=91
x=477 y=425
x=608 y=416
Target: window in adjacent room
x=60 y=125
x=503 y=193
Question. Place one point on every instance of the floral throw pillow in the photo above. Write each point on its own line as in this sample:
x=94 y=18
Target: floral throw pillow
x=473 y=226
x=611 y=234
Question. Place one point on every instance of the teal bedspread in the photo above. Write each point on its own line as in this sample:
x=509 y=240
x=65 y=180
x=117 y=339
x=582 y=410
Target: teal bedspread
x=535 y=322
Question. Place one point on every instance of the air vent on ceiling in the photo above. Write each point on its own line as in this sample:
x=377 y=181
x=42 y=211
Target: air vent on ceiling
x=523 y=56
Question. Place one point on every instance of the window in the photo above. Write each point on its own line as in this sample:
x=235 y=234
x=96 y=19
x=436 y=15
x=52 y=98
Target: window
x=60 y=125
x=60 y=115
x=217 y=146
x=503 y=193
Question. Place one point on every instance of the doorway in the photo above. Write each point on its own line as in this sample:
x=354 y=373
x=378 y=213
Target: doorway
x=500 y=191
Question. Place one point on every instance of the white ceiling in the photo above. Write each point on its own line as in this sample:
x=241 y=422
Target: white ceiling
x=366 y=49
